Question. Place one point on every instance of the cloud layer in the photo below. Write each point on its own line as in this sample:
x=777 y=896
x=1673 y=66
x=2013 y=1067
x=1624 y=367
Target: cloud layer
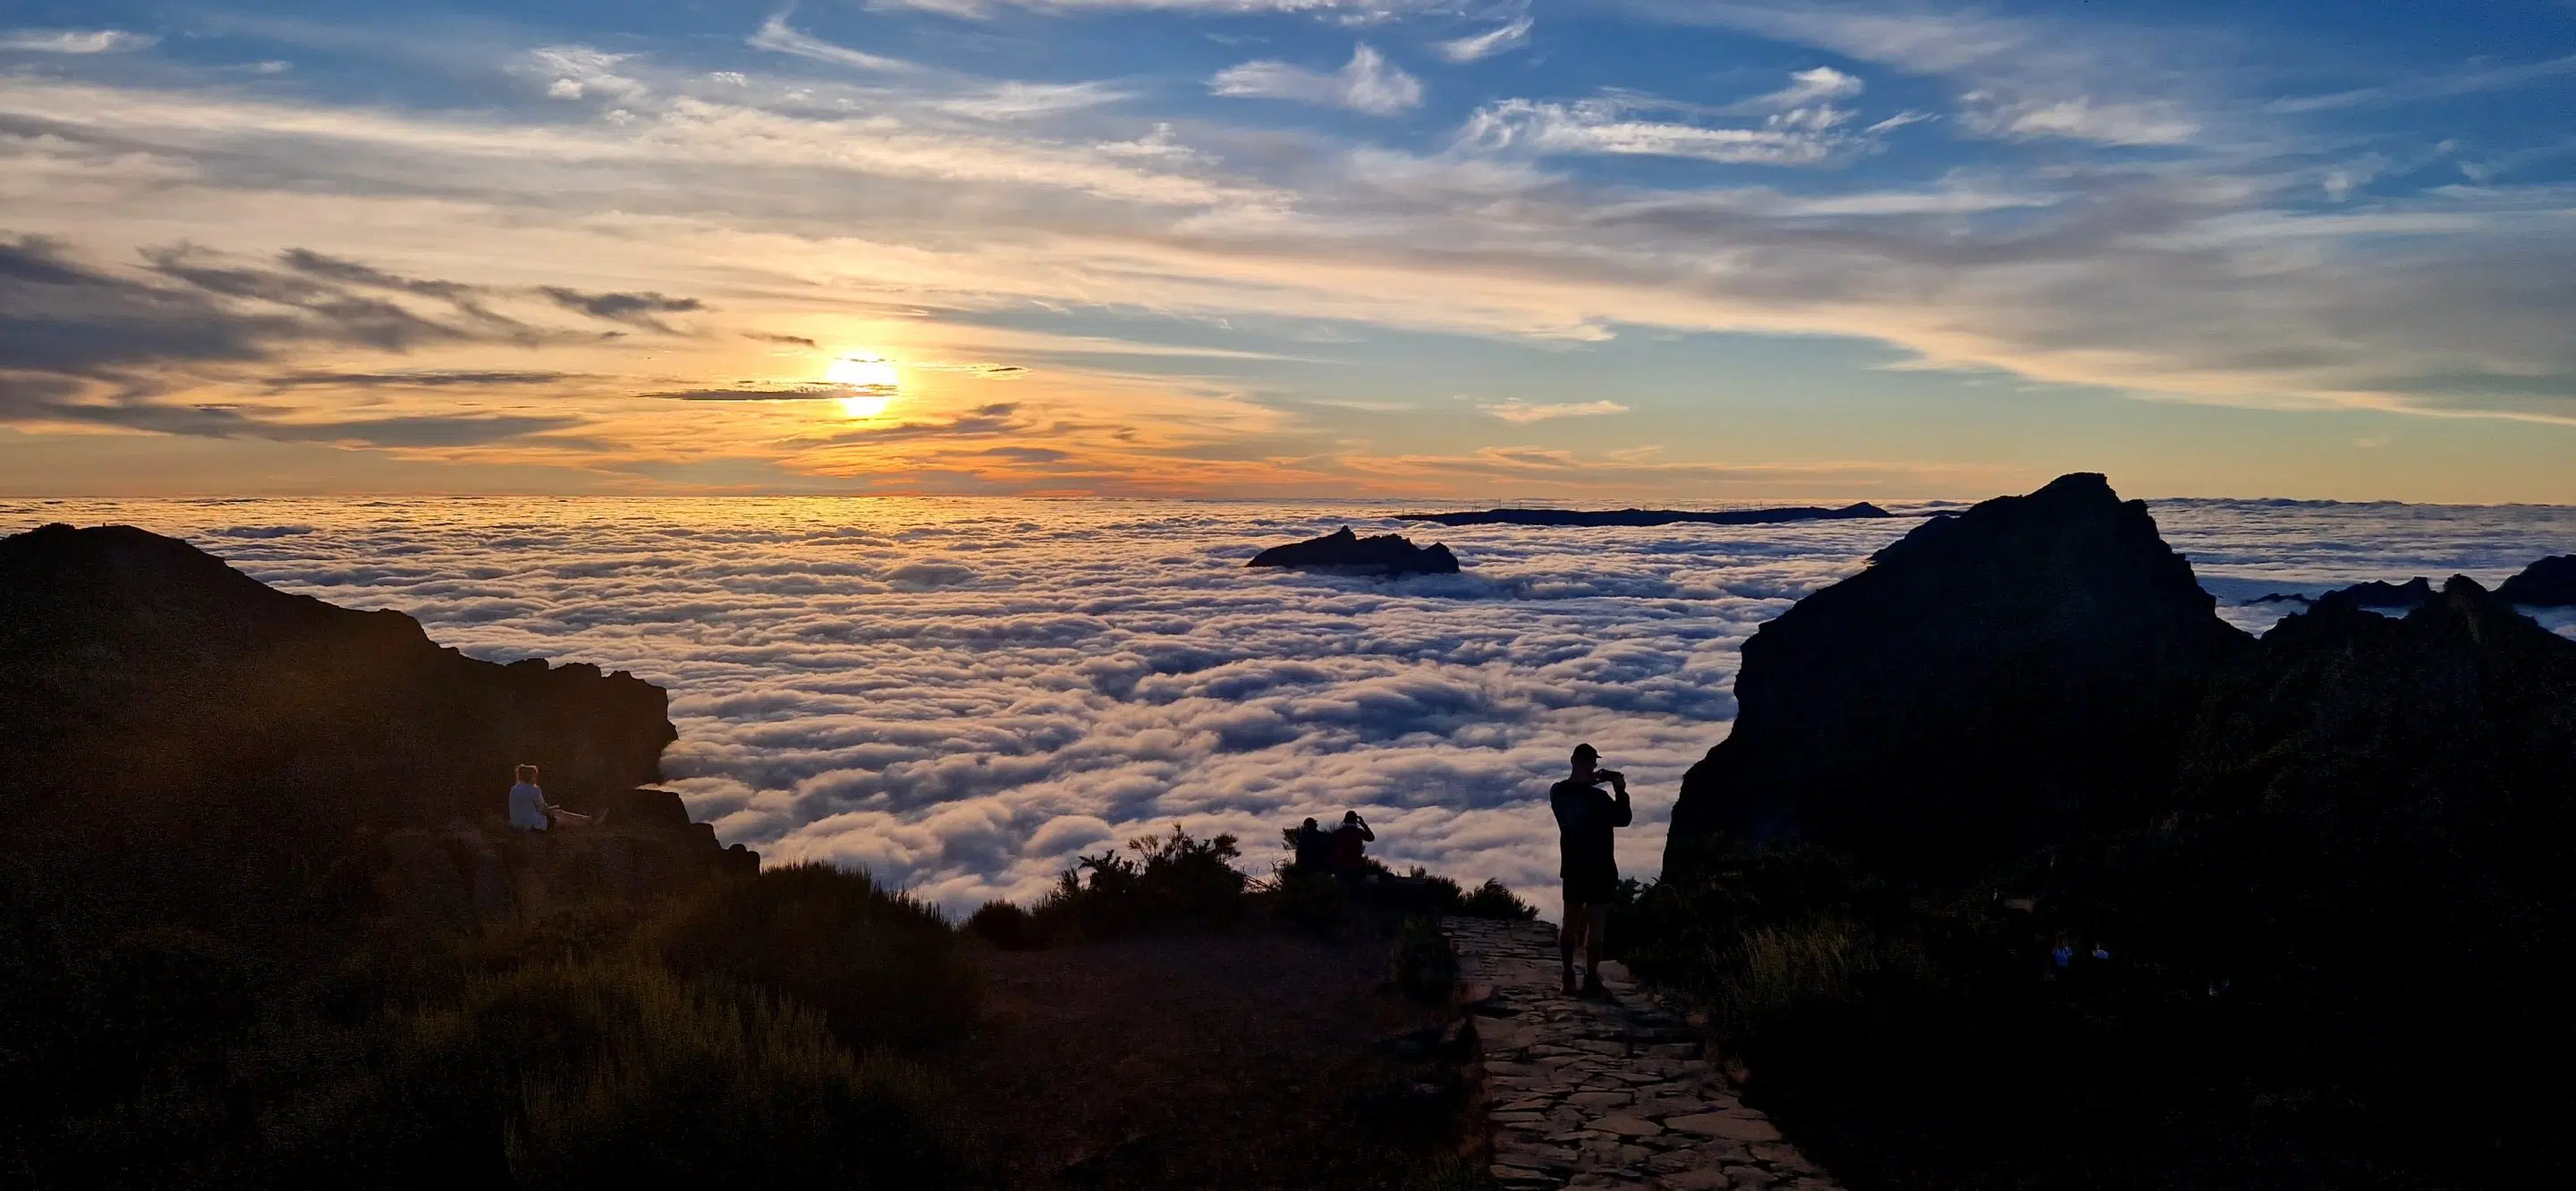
x=963 y=695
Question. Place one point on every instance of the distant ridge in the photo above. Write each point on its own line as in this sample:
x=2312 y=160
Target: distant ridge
x=1580 y=518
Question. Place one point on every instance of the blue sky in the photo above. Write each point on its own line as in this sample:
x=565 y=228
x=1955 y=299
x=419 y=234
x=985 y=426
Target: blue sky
x=1632 y=249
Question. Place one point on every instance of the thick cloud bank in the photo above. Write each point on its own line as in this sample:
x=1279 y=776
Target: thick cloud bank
x=963 y=695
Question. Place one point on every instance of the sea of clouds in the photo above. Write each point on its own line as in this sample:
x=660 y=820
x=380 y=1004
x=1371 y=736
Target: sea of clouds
x=965 y=695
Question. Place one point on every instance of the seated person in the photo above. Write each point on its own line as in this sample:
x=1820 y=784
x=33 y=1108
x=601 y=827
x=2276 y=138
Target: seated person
x=529 y=810
x=1313 y=848
x=1350 y=843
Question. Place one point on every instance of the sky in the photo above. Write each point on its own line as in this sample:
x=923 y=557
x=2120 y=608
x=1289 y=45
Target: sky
x=1595 y=250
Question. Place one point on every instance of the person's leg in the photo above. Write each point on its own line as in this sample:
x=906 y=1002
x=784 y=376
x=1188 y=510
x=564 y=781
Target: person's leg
x=1597 y=926
x=1570 y=936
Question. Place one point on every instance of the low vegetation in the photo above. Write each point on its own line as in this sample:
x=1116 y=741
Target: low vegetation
x=1971 y=1035
x=788 y=1026
x=1177 y=881
x=770 y=1027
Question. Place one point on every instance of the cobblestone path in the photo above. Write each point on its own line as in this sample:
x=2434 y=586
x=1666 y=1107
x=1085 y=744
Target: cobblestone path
x=1605 y=1094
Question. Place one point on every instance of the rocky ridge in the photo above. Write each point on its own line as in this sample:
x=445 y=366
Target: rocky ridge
x=1343 y=552
x=179 y=728
x=1648 y=517
x=2548 y=583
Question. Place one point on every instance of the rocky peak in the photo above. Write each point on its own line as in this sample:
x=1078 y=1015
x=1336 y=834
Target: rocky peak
x=1345 y=552
x=1993 y=681
x=2548 y=583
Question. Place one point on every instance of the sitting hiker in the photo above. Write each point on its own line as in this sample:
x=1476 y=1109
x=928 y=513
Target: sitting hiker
x=1584 y=819
x=1350 y=843
x=1311 y=846
x=529 y=810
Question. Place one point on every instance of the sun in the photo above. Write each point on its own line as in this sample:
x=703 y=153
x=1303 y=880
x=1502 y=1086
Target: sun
x=871 y=381
x=863 y=372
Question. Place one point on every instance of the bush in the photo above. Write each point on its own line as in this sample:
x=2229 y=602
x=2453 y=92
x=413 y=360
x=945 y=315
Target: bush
x=882 y=968
x=1422 y=964
x=1005 y=926
x=605 y=1073
x=1309 y=901
x=1175 y=880
x=1494 y=900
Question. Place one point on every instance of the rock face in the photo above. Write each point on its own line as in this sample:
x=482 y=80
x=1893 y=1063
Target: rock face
x=2548 y=583
x=1576 y=517
x=1343 y=552
x=2373 y=594
x=174 y=722
x=1995 y=681
x=2355 y=780
x=2462 y=709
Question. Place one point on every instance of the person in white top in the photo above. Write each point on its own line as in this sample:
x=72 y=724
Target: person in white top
x=529 y=810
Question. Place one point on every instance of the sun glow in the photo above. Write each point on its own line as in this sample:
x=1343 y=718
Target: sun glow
x=863 y=372
x=872 y=380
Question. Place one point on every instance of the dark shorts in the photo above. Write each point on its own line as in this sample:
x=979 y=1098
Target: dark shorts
x=1592 y=889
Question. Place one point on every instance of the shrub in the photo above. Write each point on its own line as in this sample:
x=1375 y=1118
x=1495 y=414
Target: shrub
x=1308 y=901
x=1174 y=880
x=616 y=1072
x=882 y=968
x=1422 y=964
x=1005 y=926
x=1495 y=900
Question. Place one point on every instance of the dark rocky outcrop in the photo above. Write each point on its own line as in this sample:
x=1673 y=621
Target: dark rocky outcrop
x=2367 y=847
x=1995 y=681
x=2548 y=583
x=184 y=738
x=1343 y=552
x=2373 y=594
x=1625 y=517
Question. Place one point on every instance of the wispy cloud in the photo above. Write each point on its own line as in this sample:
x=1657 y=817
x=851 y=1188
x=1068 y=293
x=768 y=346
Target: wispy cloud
x=1367 y=83
x=1017 y=100
x=1480 y=46
x=1523 y=411
x=2017 y=77
x=1611 y=126
x=76 y=41
x=2428 y=87
x=582 y=72
x=1812 y=86
x=2082 y=119
x=778 y=36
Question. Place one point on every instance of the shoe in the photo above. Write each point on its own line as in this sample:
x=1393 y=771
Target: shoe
x=1571 y=988
x=1592 y=989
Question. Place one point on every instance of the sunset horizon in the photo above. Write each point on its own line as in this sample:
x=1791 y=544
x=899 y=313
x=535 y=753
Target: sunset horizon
x=1626 y=251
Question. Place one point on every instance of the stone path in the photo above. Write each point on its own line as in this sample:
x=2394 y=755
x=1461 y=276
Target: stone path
x=1605 y=1094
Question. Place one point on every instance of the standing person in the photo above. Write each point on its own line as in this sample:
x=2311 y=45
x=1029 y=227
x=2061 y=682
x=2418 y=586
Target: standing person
x=1350 y=842
x=1584 y=819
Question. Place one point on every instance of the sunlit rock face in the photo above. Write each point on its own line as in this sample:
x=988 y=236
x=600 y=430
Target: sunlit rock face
x=1995 y=681
x=177 y=721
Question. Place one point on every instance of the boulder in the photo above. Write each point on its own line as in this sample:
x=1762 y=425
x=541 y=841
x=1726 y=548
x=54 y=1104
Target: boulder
x=1994 y=681
x=2548 y=583
x=1343 y=552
